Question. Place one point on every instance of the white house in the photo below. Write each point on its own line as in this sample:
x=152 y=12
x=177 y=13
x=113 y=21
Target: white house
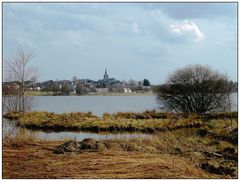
x=127 y=90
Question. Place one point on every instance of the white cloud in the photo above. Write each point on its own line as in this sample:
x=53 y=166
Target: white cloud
x=188 y=28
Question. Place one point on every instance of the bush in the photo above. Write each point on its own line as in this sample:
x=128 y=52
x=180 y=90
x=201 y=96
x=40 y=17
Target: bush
x=194 y=89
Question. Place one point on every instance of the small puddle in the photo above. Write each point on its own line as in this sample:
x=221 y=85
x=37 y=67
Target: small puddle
x=10 y=128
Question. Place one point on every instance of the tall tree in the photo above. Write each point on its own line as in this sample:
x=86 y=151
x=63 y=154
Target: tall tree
x=146 y=82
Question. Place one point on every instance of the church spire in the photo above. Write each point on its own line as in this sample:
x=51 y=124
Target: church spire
x=105 y=77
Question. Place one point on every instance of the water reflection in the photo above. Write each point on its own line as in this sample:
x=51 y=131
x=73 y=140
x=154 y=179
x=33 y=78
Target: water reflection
x=10 y=128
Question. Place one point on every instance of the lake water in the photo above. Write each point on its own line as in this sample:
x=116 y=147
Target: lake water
x=101 y=104
x=97 y=105
x=10 y=128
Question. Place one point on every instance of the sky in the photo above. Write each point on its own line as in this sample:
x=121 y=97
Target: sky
x=131 y=40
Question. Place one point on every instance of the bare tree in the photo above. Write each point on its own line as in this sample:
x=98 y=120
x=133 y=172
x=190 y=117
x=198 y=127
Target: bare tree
x=19 y=71
x=194 y=89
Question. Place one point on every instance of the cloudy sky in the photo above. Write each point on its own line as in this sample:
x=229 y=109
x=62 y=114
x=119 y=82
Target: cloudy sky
x=131 y=40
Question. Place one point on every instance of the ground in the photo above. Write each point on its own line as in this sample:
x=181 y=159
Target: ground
x=207 y=149
x=37 y=160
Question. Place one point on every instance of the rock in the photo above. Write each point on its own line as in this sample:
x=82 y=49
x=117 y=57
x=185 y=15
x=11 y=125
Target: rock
x=87 y=144
x=70 y=146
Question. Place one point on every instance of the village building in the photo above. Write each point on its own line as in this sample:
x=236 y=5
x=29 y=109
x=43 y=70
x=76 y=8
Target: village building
x=105 y=77
x=127 y=90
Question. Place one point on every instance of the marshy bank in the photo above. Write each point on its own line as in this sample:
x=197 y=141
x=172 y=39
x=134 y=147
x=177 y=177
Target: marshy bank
x=183 y=153
x=10 y=128
x=148 y=121
x=180 y=146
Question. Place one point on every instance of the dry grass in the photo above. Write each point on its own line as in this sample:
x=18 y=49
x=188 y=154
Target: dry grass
x=115 y=122
x=168 y=154
x=36 y=160
x=148 y=121
x=172 y=154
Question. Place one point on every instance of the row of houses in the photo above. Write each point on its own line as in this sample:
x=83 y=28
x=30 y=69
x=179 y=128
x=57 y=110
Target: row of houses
x=63 y=87
x=81 y=86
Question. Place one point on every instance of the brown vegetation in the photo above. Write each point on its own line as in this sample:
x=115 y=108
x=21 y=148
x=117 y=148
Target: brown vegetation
x=36 y=160
x=148 y=121
x=183 y=153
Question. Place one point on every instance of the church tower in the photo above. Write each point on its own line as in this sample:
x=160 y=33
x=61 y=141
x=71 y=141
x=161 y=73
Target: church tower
x=105 y=77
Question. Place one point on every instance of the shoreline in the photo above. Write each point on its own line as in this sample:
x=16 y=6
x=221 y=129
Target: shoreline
x=146 y=122
x=39 y=93
x=43 y=93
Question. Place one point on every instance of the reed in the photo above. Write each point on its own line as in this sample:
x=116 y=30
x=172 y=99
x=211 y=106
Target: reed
x=80 y=121
x=170 y=154
x=148 y=121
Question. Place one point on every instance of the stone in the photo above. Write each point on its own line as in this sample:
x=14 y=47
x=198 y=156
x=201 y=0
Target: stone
x=87 y=144
x=70 y=146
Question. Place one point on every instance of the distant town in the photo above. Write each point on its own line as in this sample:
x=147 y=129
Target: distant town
x=82 y=86
x=106 y=85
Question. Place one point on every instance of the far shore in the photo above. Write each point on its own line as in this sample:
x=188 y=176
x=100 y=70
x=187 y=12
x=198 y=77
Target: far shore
x=50 y=93
x=44 y=93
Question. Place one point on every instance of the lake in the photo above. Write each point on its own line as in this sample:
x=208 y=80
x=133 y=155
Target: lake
x=10 y=128
x=101 y=104
x=97 y=105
